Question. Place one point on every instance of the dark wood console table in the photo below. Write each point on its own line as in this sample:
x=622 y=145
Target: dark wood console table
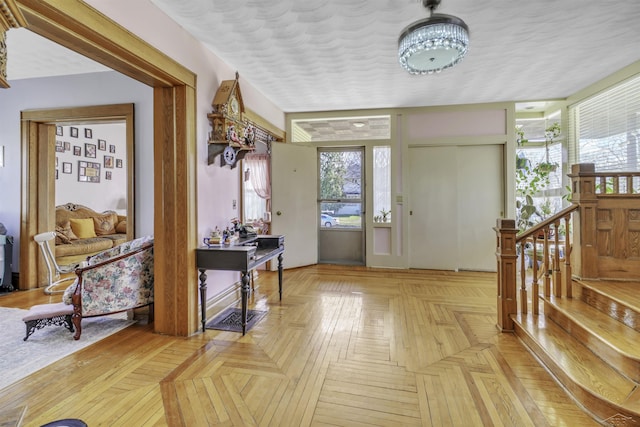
x=243 y=256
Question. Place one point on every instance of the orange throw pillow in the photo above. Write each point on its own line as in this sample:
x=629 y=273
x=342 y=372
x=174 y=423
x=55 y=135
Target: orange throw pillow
x=82 y=227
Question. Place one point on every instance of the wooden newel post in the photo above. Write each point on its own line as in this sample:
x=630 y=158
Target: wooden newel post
x=506 y=255
x=583 y=192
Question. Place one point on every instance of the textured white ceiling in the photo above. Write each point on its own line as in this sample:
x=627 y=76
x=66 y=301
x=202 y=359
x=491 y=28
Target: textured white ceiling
x=310 y=55
x=318 y=55
x=30 y=55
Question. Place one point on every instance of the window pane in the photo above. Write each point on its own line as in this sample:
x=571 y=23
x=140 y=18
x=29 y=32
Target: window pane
x=340 y=175
x=254 y=205
x=341 y=215
x=382 y=184
x=607 y=128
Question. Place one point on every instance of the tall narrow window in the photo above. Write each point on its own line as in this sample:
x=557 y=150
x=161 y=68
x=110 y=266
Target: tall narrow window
x=257 y=187
x=382 y=184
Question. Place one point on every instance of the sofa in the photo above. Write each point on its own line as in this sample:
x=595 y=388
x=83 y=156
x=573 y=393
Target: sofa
x=81 y=232
x=112 y=281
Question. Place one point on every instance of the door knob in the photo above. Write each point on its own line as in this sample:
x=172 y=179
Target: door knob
x=278 y=213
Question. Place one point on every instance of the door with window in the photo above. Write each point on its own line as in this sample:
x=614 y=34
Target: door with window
x=340 y=206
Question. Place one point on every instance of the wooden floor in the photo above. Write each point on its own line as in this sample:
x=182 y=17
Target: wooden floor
x=347 y=346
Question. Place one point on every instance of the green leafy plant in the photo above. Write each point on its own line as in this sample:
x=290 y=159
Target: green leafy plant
x=531 y=181
x=550 y=134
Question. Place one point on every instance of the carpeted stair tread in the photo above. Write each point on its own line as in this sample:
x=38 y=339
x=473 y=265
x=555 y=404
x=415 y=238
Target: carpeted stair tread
x=577 y=368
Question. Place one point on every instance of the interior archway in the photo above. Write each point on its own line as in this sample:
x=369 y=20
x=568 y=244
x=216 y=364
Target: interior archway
x=75 y=25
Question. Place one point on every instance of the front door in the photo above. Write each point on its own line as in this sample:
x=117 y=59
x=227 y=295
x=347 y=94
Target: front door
x=340 y=206
x=293 y=202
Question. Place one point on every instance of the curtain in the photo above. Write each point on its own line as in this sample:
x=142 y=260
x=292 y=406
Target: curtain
x=260 y=175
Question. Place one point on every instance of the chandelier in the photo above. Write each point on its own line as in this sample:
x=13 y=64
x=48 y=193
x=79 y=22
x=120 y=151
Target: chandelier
x=433 y=44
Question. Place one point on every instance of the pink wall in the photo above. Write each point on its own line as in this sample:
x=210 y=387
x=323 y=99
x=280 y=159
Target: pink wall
x=217 y=187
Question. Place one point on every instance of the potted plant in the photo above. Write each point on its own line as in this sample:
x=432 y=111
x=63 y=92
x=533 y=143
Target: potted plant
x=550 y=134
x=521 y=160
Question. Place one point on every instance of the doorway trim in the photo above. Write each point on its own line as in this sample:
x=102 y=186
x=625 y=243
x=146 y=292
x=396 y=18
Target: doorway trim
x=37 y=140
x=81 y=28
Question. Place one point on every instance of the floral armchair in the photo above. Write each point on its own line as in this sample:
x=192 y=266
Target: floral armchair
x=116 y=280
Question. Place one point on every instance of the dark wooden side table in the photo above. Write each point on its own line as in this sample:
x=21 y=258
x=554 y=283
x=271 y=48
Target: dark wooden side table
x=243 y=256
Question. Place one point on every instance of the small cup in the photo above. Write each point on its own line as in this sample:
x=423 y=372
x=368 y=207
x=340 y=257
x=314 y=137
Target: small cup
x=206 y=242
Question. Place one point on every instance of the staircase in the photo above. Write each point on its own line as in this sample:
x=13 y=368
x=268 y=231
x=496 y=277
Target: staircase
x=591 y=344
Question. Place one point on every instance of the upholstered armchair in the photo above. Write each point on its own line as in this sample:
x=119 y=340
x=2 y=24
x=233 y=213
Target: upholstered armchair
x=116 y=280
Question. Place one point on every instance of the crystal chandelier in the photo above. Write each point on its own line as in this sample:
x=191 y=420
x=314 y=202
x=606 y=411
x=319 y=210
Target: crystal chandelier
x=433 y=44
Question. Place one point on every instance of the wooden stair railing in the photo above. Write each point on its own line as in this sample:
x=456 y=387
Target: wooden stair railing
x=605 y=217
x=543 y=239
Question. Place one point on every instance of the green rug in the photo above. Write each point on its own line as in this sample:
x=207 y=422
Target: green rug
x=47 y=345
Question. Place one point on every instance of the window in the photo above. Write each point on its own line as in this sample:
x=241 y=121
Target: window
x=605 y=129
x=382 y=184
x=257 y=187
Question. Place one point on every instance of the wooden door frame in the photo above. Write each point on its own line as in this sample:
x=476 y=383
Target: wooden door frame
x=81 y=28
x=38 y=136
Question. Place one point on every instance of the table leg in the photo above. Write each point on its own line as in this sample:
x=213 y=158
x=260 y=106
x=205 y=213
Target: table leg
x=203 y=297
x=280 y=275
x=245 y=294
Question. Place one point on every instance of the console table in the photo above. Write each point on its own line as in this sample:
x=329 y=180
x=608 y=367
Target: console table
x=244 y=255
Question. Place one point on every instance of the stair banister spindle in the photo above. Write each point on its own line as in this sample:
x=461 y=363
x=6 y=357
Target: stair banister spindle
x=523 y=280
x=535 y=286
x=557 y=274
x=567 y=256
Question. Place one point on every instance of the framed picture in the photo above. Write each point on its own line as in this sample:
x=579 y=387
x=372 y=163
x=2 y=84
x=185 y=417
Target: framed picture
x=59 y=130
x=112 y=148
x=73 y=132
x=66 y=167
x=77 y=151
x=108 y=162
x=59 y=147
x=88 y=171
x=107 y=175
x=67 y=146
x=88 y=133
x=118 y=163
x=102 y=145
x=90 y=150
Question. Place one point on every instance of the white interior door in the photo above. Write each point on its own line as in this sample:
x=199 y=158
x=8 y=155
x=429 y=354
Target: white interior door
x=433 y=238
x=294 y=202
x=456 y=195
x=480 y=202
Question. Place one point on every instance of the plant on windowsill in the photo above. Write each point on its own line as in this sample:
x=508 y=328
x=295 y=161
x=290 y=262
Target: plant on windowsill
x=550 y=133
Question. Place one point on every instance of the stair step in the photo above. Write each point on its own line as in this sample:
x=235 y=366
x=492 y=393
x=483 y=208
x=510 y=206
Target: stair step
x=589 y=379
x=608 y=338
x=618 y=299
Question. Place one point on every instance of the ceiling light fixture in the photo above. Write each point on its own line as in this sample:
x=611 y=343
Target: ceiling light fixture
x=433 y=44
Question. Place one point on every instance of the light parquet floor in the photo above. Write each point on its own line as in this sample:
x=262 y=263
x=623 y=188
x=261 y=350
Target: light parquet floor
x=347 y=346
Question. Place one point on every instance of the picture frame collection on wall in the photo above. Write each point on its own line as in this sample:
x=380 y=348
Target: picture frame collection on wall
x=88 y=171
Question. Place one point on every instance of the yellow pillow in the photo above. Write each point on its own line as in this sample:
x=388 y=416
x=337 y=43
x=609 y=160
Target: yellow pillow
x=82 y=227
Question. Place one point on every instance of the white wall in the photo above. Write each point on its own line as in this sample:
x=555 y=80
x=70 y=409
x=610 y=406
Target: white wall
x=68 y=91
x=110 y=192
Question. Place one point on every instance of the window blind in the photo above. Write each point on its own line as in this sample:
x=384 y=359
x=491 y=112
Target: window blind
x=605 y=129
